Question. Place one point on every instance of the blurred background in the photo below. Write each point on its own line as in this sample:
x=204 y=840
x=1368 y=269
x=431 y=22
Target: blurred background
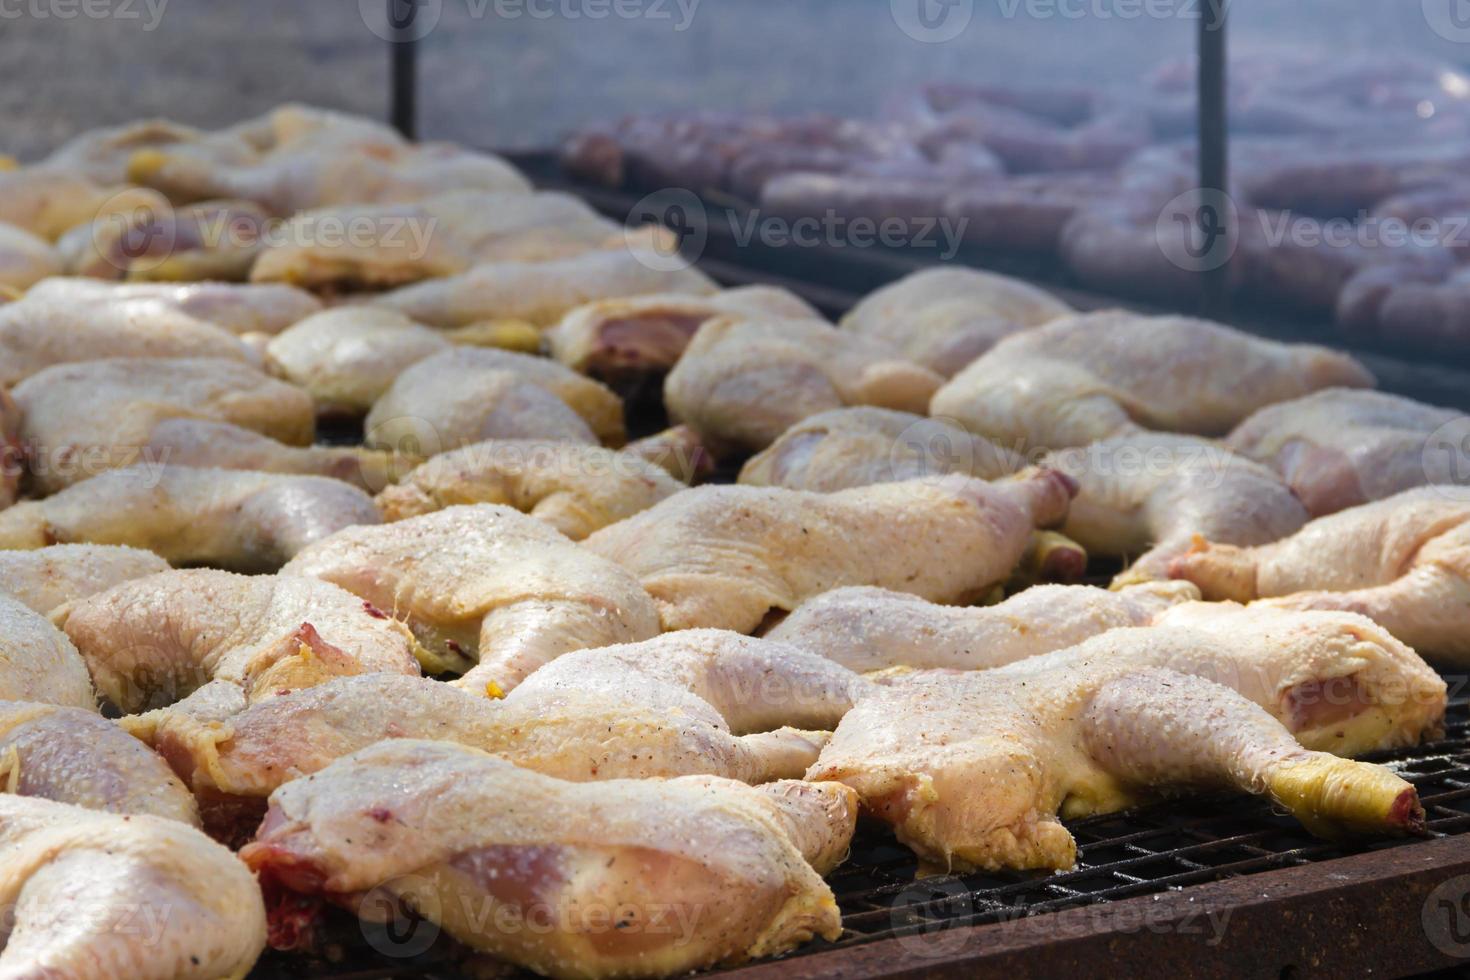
x=522 y=73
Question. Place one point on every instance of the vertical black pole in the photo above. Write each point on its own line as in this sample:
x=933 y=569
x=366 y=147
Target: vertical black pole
x=403 y=55
x=1214 y=150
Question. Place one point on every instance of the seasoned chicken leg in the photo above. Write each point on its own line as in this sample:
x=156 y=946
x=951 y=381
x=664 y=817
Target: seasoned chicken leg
x=42 y=329
x=48 y=579
x=486 y=583
x=1084 y=378
x=440 y=236
x=724 y=557
x=76 y=756
x=868 y=629
x=38 y=663
x=84 y=419
x=220 y=445
x=95 y=896
x=154 y=640
x=576 y=489
x=972 y=769
x=464 y=396
x=348 y=358
x=1150 y=493
x=240 y=309
x=12 y=451
x=25 y=259
x=440 y=827
x=543 y=292
x=625 y=337
x=659 y=709
x=857 y=447
x=306 y=174
x=944 y=318
x=234 y=519
x=1404 y=562
x=742 y=382
x=1343 y=447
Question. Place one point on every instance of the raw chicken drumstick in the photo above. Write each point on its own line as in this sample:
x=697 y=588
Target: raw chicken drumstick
x=25 y=259
x=857 y=447
x=97 y=896
x=972 y=769
x=1084 y=378
x=1150 y=493
x=486 y=583
x=240 y=309
x=38 y=663
x=541 y=293
x=697 y=701
x=348 y=358
x=154 y=640
x=1344 y=447
x=867 y=629
x=439 y=236
x=623 y=338
x=465 y=395
x=724 y=557
x=1404 y=562
x=634 y=878
x=83 y=419
x=12 y=451
x=658 y=709
x=742 y=382
x=48 y=579
x=74 y=755
x=233 y=519
x=576 y=489
x=944 y=318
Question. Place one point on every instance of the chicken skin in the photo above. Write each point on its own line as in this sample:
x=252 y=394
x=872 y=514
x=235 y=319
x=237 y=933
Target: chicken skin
x=87 y=418
x=38 y=663
x=724 y=557
x=348 y=358
x=25 y=259
x=95 y=896
x=626 y=337
x=236 y=519
x=486 y=583
x=1077 y=380
x=1404 y=562
x=1343 y=447
x=857 y=447
x=154 y=242
x=464 y=396
x=742 y=382
x=972 y=769
x=691 y=873
x=1150 y=493
x=437 y=237
x=152 y=641
x=867 y=629
x=49 y=579
x=678 y=451
x=73 y=755
x=944 y=318
x=669 y=707
x=541 y=293
x=576 y=489
x=48 y=202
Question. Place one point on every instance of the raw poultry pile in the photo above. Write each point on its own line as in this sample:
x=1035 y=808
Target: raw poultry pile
x=496 y=666
x=1348 y=180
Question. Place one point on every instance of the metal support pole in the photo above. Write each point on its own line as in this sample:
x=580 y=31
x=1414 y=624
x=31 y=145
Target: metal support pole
x=1214 y=149
x=403 y=62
